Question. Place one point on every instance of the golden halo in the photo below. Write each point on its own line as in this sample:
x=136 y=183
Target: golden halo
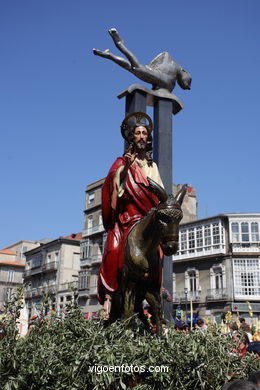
x=127 y=126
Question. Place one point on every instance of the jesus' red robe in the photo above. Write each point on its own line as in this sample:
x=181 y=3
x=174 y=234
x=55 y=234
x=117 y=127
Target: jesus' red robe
x=119 y=217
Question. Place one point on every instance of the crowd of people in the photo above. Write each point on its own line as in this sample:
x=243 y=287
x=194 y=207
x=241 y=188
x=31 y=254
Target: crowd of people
x=246 y=337
x=252 y=383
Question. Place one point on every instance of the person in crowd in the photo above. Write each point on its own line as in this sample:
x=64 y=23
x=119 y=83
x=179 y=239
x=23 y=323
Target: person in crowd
x=241 y=344
x=178 y=323
x=233 y=326
x=200 y=325
x=244 y=327
x=254 y=347
x=254 y=377
x=239 y=384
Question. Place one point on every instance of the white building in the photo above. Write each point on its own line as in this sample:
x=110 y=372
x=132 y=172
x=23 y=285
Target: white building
x=218 y=265
x=12 y=263
x=52 y=269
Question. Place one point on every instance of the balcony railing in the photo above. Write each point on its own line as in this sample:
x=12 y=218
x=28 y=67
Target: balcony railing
x=68 y=286
x=40 y=291
x=96 y=259
x=198 y=252
x=181 y=297
x=93 y=291
x=217 y=294
x=93 y=230
x=247 y=292
x=32 y=271
x=91 y=260
x=85 y=262
x=10 y=284
x=246 y=247
x=52 y=266
x=84 y=293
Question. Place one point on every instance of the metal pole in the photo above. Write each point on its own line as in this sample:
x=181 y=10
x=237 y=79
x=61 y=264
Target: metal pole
x=186 y=308
x=162 y=153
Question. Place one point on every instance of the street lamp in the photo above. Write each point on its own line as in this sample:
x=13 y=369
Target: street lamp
x=186 y=303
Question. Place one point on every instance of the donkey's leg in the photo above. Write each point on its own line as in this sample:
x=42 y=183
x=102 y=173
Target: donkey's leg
x=155 y=303
x=129 y=302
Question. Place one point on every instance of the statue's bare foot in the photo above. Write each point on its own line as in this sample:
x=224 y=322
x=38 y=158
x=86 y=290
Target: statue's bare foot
x=115 y=35
x=105 y=53
x=107 y=307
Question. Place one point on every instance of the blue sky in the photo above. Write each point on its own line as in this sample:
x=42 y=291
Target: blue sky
x=60 y=117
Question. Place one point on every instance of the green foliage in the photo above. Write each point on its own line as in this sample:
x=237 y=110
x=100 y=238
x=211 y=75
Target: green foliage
x=59 y=354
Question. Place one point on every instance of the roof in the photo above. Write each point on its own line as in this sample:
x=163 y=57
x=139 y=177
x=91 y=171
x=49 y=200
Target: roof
x=74 y=236
x=21 y=242
x=12 y=263
x=72 y=239
x=7 y=251
x=224 y=215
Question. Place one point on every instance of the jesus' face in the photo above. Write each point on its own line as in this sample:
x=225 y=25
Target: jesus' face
x=140 y=135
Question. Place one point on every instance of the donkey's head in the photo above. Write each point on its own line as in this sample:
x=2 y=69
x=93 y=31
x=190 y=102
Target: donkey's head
x=167 y=217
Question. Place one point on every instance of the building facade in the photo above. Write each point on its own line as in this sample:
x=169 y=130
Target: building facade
x=94 y=238
x=12 y=264
x=217 y=266
x=91 y=248
x=52 y=269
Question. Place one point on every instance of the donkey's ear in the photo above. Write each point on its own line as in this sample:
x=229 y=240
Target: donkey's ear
x=157 y=190
x=180 y=195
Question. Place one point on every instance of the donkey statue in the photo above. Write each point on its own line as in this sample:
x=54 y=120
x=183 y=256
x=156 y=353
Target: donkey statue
x=141 y=274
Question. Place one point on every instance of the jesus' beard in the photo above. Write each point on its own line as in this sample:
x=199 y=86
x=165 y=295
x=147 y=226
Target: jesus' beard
x=140 y=146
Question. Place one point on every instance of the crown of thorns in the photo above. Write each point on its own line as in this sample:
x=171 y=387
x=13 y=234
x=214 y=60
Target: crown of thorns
x=135 y=119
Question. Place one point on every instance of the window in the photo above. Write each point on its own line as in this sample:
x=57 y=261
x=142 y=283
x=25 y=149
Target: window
x=235 y=231
x=91 y=197
x=245 y=231
x=199 y=236
x=192 y=279
x=93 y=281
x=56 y=256
x=255 y=231
x=10 y=276
x=202 y=239
x=104 y=240
x=184 y=244
x=90 y=221
x=83 y=280
x=191 y=239
x=207 y=234
x=247 y=277
x=192 y=282
x=36 y=261
x=216 y=233
x=100 y=219
x=85 y=249
x=217 y=277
